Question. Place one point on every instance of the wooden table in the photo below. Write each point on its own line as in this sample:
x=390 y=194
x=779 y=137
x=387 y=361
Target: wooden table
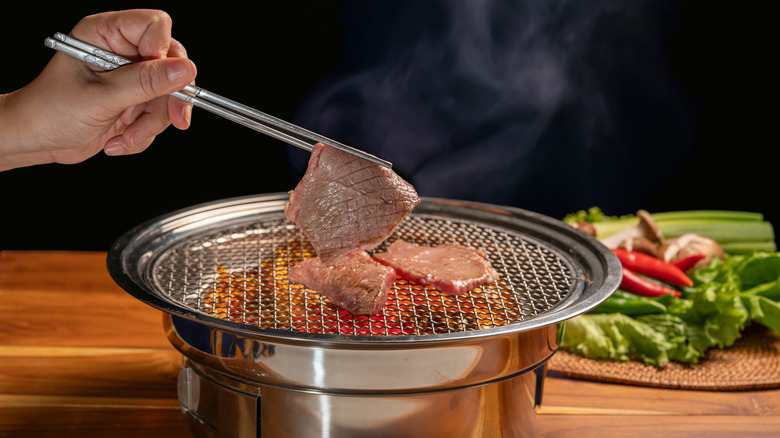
x=80 y=357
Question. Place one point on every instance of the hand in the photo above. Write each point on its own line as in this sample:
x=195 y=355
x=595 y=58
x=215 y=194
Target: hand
x=72 y=110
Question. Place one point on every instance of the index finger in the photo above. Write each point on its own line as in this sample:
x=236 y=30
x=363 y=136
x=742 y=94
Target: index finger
x=137 y=34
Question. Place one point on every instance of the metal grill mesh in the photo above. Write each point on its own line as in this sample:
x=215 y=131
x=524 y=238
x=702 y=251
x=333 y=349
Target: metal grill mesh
x=240 y=274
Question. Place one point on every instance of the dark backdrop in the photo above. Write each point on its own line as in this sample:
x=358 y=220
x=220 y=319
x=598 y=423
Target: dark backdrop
x=550 y=106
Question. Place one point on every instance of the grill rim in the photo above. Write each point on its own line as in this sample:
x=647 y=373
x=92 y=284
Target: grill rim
x=129 y=260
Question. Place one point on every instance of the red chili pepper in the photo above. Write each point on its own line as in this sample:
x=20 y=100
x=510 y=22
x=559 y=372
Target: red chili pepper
x=652 y=267
x=635 y=284
x=688 y=262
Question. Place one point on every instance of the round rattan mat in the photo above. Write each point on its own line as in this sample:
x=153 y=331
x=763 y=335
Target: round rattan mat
x=753 y=362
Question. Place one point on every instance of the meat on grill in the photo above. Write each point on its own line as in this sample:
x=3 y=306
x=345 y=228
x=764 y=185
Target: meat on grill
x=345 y=204
x=359 y=285
x=449 y=267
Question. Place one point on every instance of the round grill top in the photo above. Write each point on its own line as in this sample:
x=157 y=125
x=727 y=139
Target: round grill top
x=226 y=263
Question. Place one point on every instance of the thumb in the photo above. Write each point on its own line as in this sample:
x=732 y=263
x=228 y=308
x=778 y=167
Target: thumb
x=141 y=82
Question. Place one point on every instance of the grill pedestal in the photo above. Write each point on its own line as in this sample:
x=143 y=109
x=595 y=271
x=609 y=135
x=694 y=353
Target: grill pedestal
x=474 y=403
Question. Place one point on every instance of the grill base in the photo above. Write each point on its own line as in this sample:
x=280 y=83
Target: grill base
x=237 y=386
x=222 y=407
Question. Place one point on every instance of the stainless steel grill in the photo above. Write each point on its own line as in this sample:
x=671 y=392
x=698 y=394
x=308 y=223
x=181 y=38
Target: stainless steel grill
x=266 y=356
x=240 y=274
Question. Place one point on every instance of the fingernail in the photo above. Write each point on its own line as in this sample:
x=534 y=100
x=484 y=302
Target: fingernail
x=178 y=70
x=188 y=114
x=114 y=150
x=114 y=147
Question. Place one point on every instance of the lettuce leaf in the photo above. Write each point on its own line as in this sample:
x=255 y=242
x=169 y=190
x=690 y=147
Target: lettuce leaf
x=615 y=336
x=713 y=310
x=593 y=215
x=764 y=311
x=758 y=268
x=676 y=331
x=726 y=296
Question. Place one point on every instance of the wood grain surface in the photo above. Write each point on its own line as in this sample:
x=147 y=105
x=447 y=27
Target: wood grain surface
x=79 y=357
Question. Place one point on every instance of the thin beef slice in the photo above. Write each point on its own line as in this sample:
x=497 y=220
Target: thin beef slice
x=345 y=204
x=359 y=285
x=449 y=267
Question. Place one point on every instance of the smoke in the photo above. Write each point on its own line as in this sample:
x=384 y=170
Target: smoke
x=539 y=104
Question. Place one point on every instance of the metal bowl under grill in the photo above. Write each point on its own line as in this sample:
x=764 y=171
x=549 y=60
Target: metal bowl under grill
x=264 y=356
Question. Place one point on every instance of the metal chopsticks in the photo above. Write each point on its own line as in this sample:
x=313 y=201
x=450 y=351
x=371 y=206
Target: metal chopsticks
x=221 y=106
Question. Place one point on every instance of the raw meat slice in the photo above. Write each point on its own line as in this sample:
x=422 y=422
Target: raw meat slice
x=449 y=267
x=359 y=284
x=345 y=204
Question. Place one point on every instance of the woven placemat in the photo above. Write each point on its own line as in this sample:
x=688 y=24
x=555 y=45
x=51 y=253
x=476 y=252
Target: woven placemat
x=753 y=362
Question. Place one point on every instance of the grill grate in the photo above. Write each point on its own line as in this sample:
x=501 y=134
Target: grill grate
x=239 y=273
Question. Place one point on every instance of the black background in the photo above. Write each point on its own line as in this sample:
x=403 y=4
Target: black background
x=270 y=55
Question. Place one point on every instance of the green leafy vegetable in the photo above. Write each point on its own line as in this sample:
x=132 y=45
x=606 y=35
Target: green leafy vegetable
x=758 y=268
x=763 y=310
x=616 y=336
x=769 y=290
x=727 y=296
x=595 y=215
